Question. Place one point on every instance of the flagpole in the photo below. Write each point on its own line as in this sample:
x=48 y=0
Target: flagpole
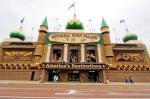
x=22 y=20
x=90 y=25
x=124 y=22
x=21 y=26
x=32 y=33
x=74 y=11
x=115 y=32
x=126 y=27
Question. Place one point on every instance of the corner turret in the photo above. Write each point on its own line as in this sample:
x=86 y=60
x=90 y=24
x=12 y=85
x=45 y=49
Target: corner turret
x=107 y=43
x=105 y=32
x=42 y=31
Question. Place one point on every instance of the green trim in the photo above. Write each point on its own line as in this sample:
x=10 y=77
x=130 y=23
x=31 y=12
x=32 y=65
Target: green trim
x=45 y=22
x=47 y=41
x=130 y=37
x=17 y=35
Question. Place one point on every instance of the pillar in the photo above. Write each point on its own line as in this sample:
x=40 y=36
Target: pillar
x=82 y=52
x=64 y=76
x=104 y=79
x=48 y=53
x=38 y=53
x=43 y=75
x=84 y=76
x=99 y=53
x=65 y=53
x=0 y=52
x=102 y=76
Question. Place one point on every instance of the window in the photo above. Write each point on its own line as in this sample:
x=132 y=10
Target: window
x=91 y=55
x=56 y=54
x=74 y=54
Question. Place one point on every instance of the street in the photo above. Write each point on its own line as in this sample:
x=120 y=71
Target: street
x=73 y=91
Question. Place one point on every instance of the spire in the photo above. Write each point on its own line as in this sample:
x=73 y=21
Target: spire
x=104 y=24
x=45 y=22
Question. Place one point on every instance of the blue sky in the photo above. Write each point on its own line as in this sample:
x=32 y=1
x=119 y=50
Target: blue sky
x=136 y=13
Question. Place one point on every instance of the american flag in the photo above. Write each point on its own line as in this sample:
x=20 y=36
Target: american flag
x=72 y=5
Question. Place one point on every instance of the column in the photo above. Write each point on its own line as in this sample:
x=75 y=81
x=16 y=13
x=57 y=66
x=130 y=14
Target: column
x=48 y=53
x=0 y=52
x=43 y=75
x=102 y=76
x=82 y=53
x=64 y=76
x=65 y=52
x=105 y=79
x=99 y=53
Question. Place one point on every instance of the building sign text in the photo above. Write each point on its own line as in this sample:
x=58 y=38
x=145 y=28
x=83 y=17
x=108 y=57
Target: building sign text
x=74 y=37
x=73 y=66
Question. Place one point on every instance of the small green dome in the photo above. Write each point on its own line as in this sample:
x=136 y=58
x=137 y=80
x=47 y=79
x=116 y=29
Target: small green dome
x=17 y=34
x=74 y=24
x=130 y=36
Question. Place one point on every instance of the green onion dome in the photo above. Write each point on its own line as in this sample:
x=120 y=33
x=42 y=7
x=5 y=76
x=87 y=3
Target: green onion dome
x=17 y=34
x=74 y=24
x=130 y=36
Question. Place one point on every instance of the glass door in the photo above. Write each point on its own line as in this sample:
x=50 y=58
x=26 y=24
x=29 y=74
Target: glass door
x=93 y=76
x=74 y=76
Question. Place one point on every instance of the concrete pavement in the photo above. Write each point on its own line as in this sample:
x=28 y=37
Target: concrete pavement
x=76 y=83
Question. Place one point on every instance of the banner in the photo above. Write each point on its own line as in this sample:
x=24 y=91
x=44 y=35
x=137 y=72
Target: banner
x=74 y=38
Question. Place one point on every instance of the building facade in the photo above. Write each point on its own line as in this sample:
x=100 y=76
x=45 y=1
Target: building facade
x=74 y=56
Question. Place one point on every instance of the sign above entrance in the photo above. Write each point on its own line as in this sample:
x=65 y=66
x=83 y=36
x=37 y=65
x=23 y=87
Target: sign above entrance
x=73 y=66
x=74 y=37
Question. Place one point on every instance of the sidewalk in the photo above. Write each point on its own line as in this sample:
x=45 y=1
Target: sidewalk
x=73 y=83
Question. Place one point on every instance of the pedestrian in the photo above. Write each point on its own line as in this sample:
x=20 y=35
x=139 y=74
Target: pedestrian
x=131 y=80
x=126 y=79
x=55 y=78
x=39 y=80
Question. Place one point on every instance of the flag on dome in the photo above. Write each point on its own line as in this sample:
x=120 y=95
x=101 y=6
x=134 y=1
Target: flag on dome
x=90 y=20
x=21 y=21
x=72 y=5
x=121 y=21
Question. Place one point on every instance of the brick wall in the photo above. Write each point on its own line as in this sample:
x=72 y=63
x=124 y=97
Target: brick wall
x=18 y=74
x=119 y=76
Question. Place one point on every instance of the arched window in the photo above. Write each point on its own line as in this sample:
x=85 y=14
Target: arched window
x=57 y=55
x=74 y=54
x=91 y=54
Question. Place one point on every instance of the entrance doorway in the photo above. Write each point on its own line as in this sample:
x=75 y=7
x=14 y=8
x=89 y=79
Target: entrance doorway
x=32 y=75
x=74 y=76
x=53 y=75
x=93 y=76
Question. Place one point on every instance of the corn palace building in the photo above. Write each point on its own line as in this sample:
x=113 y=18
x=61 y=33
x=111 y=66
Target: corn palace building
x=73 y=56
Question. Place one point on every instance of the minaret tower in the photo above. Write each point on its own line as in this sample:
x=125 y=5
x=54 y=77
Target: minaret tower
x=107 y=42
x=105 y=31
x=42 y=31
x=39 y=53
